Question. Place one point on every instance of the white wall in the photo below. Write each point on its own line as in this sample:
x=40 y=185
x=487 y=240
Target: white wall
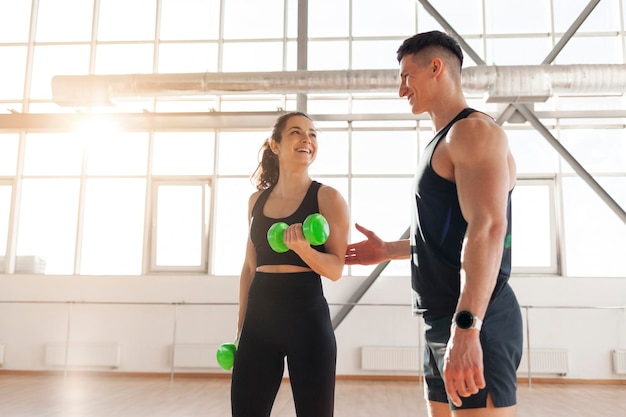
x=144 y=316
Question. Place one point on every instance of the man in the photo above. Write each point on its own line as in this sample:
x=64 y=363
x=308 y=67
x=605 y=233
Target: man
x=460 y=240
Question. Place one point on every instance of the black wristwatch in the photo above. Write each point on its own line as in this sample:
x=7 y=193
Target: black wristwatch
x=466 y=320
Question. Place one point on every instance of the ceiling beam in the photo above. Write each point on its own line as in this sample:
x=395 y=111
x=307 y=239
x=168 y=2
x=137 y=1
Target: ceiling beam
x=64 y=122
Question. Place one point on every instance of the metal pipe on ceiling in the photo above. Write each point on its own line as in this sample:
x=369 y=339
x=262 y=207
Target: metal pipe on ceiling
x=501 y=83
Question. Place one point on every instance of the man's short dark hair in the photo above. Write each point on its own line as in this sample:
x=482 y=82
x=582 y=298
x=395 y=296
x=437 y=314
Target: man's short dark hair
x=425 y=40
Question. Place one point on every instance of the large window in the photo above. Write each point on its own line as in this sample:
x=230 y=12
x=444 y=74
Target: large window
x=594 y=235
x=147 y=194
x=181 y=220
x=113 y=226
x=8 y=154
x=83 y=201
x=48 y=209
x=5 y=212
x=534 y=227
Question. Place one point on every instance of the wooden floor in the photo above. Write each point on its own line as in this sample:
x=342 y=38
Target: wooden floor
x=75 y=395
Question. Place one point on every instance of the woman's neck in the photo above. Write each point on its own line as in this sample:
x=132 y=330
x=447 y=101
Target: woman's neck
x=289 y=185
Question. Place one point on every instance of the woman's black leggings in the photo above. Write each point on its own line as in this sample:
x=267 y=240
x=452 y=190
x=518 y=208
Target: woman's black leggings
x=287 y=316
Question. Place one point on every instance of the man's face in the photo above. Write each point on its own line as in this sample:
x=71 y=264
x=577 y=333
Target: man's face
x=413 y=80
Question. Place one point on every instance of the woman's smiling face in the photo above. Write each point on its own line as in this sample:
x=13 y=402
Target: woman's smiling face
x=298 y=140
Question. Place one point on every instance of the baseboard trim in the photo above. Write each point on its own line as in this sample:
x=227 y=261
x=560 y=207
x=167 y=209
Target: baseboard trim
x=226 y=375
x=572 y=381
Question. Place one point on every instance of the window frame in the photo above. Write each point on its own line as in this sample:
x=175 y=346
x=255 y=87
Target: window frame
x=555 y=267
x=4 y=259
x=207 y=213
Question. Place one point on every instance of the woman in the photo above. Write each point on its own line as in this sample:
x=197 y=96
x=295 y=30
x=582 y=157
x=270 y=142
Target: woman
x=283 y=312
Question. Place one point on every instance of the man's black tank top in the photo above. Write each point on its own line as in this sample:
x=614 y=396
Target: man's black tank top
x=260 y=224
x=437 y=232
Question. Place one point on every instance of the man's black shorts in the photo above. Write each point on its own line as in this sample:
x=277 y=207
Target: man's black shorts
x=501 y=338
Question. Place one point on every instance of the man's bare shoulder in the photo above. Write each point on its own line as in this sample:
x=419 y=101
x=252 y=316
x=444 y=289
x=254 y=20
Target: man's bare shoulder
x=476 y=133
x=477 y=124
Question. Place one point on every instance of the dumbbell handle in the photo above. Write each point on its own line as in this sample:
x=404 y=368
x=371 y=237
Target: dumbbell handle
x=314 y=228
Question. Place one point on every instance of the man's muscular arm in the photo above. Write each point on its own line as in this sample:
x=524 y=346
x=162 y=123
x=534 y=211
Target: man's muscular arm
x=479 y=153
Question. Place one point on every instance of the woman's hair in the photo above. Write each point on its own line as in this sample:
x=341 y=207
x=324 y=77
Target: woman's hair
x=266 y=173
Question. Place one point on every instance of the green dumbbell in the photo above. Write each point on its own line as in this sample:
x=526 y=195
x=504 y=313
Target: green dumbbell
x=226 y=355
x=315 y=229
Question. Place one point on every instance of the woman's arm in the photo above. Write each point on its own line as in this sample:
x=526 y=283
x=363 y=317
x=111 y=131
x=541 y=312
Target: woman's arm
x=330 y=264
x=248 y=269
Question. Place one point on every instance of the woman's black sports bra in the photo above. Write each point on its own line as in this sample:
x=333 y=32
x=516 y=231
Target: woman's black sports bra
x=260 y=224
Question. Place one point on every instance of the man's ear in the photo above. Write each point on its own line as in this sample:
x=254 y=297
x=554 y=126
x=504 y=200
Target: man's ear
x=437 y=66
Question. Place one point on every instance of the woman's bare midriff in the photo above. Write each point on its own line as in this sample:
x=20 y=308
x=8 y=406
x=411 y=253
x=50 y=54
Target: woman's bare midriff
x=282 y=268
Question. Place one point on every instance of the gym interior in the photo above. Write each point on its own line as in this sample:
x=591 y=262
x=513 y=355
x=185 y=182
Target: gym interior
x=129 y=131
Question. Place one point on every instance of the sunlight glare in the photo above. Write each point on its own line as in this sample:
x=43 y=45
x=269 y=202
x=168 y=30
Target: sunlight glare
x=95 y=128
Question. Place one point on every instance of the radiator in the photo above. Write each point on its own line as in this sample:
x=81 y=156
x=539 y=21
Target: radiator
x=545 y=361
x=195 y=355
x=619 y=361
x=390 y=358
x=28 y=264
x=100 y=355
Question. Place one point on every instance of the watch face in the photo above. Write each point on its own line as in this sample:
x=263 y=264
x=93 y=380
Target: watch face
x=464 y=319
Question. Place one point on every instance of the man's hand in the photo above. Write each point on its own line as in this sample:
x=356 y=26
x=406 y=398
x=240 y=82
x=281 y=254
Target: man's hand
x=463 y=365
x=367 y=252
